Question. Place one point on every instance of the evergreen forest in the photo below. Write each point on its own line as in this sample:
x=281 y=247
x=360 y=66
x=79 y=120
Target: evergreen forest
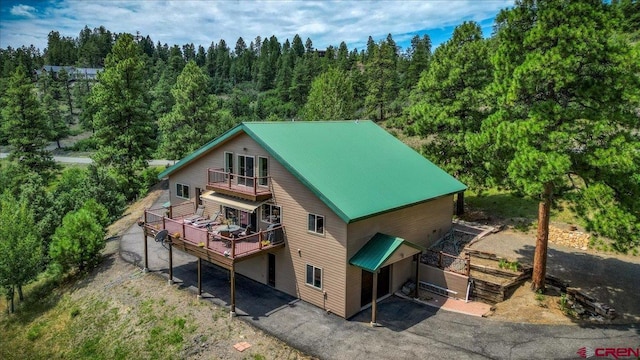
x=547 y=107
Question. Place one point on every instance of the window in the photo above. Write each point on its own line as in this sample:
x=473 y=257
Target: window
x=263 y=171
x=182 y=191
x=316 y=223
x=239 y=217
x=245 y=170
x=271 y=213
x=228 y=162
x=314 y=276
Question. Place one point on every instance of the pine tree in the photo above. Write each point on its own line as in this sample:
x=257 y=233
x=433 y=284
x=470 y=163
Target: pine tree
x=20 y=246
x=122 y=121
x=58 y=128
x=184 y=129
x=566 y=122
x=25 y=126
x=382 y=78
x=450 y=103
x=330 y=98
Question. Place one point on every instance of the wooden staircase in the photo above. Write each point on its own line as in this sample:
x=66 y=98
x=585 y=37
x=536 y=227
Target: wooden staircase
x=492 y=284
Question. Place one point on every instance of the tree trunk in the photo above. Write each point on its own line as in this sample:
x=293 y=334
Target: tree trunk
x=20 y=294
x=12 y=308
x=460 y=203
x=542 y=240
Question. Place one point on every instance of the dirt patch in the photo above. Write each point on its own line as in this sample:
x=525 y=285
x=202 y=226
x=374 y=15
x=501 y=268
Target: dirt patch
x=150 y=305
x=526 y=306
x=135 y=212
x=610 y=278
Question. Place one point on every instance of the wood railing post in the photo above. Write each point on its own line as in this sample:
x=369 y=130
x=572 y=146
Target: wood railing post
x=440 y=260
x=146 y=252
x=170 y=211
x=233 y=248
x=164 y=226
x=184 y=233
x=208 y=238
x=229 y=180
x=467 y=257
x=260 y=238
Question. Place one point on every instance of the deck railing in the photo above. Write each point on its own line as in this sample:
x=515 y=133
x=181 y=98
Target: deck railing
x=226 y=245
x=252 y=184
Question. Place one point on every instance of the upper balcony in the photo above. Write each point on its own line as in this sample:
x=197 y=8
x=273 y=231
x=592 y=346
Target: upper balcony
x=251 y=188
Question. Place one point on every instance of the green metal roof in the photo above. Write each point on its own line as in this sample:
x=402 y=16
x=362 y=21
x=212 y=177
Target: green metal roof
x=355 y=167
x=377 y=250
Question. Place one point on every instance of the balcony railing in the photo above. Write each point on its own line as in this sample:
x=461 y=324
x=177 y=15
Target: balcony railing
x=221 y=243
x=234 y=184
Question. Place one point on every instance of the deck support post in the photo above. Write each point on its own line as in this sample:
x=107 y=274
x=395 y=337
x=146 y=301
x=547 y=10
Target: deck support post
x=232 y=271
x=199 y=278
x=418 y=257
x=170 y=262
x=146 y=252
x=374 y=298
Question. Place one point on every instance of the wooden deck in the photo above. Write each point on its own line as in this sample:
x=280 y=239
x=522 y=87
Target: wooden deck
x=246 y=187
x=221 y=248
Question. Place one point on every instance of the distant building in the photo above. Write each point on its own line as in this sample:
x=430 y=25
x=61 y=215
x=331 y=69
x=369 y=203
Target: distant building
x=75 y=73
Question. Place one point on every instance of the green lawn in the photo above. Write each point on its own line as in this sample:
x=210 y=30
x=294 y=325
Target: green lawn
x=505 y=205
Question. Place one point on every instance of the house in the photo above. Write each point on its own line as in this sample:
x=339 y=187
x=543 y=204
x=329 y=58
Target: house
x=75 y=73
x=354 y=208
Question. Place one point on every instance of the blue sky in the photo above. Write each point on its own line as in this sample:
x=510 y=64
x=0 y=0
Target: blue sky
x=201 y=22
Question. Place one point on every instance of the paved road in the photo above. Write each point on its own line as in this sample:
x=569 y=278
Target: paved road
x=410 y=330
x=86 y=160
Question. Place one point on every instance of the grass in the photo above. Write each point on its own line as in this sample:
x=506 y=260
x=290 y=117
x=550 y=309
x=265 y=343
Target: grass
x=56 y=325
x=100 y=316
x=522 y=211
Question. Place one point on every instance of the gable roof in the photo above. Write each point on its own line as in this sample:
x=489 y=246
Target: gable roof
x=355 y=167
x=380 y=248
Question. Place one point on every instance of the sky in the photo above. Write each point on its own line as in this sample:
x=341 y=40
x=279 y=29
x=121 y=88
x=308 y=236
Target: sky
x=202 y=22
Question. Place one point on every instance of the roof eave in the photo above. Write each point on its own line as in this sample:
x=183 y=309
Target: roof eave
x=363 y=217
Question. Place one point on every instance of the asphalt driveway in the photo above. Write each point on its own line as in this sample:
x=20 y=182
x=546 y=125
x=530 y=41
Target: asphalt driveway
x=410 y=330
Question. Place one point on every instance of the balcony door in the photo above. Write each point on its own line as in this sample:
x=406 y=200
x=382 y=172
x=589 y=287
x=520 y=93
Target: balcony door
x=245 y=170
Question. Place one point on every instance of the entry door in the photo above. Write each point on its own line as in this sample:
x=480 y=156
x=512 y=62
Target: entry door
x=367 y=288
x=271 y=278
x=245 y=169
x=367 y=285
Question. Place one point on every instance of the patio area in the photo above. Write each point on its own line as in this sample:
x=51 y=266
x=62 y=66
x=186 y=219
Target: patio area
x=187 y=229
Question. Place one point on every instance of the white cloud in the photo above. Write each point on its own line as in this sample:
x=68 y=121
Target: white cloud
x=203 y=22
x=23 y=10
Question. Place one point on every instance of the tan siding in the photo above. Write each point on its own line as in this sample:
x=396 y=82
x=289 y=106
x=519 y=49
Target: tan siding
x=445 y=279
x=421 y=224
x=402 y=271
x=323 y=251
x=254 y=268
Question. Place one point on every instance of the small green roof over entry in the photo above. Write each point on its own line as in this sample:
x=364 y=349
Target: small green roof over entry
x=378 y=250
x=355 y=167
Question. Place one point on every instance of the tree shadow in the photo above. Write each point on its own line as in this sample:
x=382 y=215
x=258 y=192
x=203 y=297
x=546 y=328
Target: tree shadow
x=610 y=280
